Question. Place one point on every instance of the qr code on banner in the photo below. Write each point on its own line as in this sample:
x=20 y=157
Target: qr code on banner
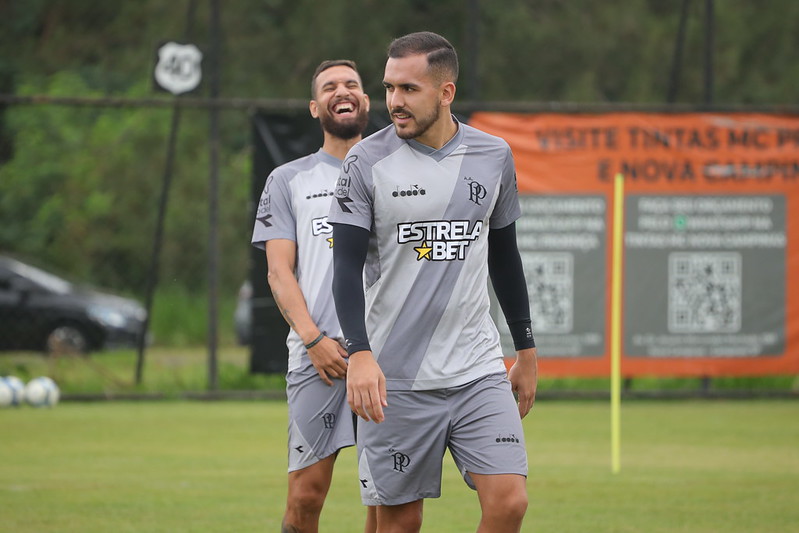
x=704 y=292
x=550 y=284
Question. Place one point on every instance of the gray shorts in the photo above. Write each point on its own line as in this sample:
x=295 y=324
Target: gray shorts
x=320 y=420
x=400 y=459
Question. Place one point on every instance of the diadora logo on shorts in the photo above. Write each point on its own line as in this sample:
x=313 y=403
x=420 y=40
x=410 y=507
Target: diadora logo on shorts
x=439 y=240
x=510 y=438
x=319 y=226
x=411 y=190
x=401 y=460
x=329 y=420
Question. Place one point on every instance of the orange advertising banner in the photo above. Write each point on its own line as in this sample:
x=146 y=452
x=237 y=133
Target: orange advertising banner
x=711 y=237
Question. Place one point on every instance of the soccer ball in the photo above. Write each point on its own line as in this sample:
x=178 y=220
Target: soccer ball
x=42 y=392
x=12 y=391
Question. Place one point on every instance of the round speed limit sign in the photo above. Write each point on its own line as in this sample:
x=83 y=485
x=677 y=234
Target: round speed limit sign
x=178 y=68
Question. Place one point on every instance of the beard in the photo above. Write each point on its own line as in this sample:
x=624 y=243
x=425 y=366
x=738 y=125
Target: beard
x=344 y=129
x=423 y=124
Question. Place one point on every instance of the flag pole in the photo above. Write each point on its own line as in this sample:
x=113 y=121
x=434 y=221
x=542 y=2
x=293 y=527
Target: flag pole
x=615 y=327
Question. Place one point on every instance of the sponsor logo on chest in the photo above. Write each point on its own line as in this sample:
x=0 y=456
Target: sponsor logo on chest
x=439 y=240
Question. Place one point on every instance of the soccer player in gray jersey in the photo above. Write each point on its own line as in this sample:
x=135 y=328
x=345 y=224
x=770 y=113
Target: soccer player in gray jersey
x=425 y=210
x=291 y=225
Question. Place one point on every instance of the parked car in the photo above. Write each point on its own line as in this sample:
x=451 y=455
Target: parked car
x=41 y=311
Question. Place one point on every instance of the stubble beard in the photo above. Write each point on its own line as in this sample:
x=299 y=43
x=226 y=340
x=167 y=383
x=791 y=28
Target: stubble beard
x=422 y=125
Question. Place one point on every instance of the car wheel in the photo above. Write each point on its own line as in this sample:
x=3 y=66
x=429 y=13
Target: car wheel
x=66 y=340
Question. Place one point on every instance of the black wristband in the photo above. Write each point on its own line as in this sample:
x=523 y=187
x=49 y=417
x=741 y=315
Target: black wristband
x=522 y=333
x=315 y=341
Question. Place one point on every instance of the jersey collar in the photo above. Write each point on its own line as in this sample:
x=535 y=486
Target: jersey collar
x=445 y=150
x=327 y=158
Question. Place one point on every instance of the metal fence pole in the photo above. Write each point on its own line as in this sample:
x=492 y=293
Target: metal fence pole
x=213 y=188
x=155 y=258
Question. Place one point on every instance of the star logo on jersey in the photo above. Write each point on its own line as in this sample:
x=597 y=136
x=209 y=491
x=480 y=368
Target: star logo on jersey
x=440 y=240
x=330 y=242
x=423 y=251
x=364 y=482
x=265 y=220
x=299 y=449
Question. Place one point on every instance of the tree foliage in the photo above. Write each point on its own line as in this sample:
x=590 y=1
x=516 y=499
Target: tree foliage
x=79 y=186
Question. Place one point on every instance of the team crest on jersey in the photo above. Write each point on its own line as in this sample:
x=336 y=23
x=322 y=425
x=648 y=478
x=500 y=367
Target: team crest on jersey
x=477 y=192
x=439 y=240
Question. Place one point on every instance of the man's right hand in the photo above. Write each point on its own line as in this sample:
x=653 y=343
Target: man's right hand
x=366 y=387
x=328 y=358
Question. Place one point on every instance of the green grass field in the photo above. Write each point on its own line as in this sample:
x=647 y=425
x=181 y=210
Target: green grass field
x=177 y=466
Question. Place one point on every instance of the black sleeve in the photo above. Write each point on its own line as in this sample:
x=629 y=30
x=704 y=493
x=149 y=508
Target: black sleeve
x=350 y=244
x=510 y=286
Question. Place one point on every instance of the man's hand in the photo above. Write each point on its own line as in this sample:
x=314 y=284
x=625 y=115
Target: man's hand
x=523 y=376
x=328 y=358
x=366 y=387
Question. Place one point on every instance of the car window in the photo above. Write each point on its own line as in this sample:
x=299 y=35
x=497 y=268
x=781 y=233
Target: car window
x=31 y=278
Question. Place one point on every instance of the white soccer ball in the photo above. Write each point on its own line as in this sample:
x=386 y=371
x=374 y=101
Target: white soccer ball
x=12 y=391
x=42 y=392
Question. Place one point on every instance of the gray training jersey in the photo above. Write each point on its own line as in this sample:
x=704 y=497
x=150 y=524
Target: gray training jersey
x=429 y=212
x=294 y=205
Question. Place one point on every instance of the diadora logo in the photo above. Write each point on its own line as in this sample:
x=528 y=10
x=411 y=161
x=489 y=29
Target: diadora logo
x=412 y=190
x=324 y=193
x=319 y=226
x=401 y=460
x=509 y=438
x=264 y=219
x=439 y=240
x=476 y=191
x=329 y=420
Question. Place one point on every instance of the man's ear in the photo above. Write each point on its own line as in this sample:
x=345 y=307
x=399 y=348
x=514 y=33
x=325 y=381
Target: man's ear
x=366 y=100
x=313 y=107
x=447 y=93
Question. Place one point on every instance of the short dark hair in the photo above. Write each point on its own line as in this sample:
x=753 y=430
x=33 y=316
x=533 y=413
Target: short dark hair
x=324 y=65
x=442 y=59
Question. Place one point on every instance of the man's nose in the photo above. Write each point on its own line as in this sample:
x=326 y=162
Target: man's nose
x=396 y=99
x=342 y=90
